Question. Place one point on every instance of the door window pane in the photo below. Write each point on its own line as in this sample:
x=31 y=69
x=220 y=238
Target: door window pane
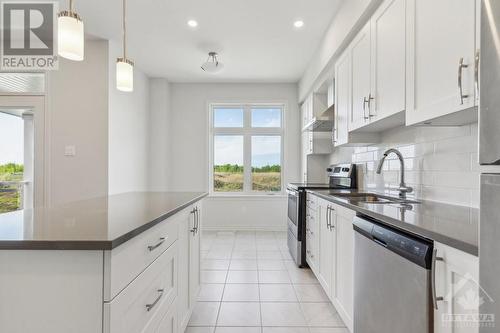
x=228 y=163
x=266 y=163
x=228 y=117
x=11 y=162
x=266 y=117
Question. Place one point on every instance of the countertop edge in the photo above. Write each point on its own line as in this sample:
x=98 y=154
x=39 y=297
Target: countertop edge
x=131 y=234
x=97 y=245
x=391 y=222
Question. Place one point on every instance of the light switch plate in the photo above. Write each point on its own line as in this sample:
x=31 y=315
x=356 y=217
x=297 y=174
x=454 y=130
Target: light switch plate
x=70 y=151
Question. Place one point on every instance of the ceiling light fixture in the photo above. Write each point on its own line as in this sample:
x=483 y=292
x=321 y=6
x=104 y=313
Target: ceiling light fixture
x=70 y=35
x=192 y=23
x=212 y=65
x=298 y=24
x=124 y=66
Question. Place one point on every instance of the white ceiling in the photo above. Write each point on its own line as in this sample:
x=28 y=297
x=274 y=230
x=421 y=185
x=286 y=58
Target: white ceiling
x=256 y=39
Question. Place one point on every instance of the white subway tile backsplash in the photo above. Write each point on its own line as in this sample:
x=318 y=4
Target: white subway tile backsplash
x=466 y=144
x=457 y=196
x=446 y=162
x=441 y=163
x=467 y=180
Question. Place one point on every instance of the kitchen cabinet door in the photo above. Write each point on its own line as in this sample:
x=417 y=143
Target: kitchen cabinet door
x=326 y=247
x=330 y=99
x=194 y=255
x=344 y=271
x=183 y=269
x=342 y=99
x=388 y=65
x=440 y=58
x=360 y=79
x=456 y=282
x=312 y=242
x=189 y=266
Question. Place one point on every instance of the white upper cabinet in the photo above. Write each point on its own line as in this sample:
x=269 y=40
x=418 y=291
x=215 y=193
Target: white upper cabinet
x=440 y=58
x=330 y=100
x=342 y=100
x=360 y=80
x=388 y=38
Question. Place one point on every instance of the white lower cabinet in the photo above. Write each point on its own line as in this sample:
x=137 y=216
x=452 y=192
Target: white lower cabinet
x=312 y=234
x=343 y=295
x=326 y=264
x=189 y=264
x=146 y=298
x=457 y=290
x=148 y=284
x=335 y=248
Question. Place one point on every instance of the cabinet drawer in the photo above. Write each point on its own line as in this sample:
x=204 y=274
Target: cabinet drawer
x=164 y=322
x=149 y=295
x=127 y=261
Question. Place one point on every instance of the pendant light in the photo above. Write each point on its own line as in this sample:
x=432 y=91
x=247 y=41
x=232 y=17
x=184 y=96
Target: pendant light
x=70 y=35
x=124 y=66
x=212 y=65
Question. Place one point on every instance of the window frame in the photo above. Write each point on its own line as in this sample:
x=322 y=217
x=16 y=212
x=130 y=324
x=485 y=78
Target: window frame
x=247 y=131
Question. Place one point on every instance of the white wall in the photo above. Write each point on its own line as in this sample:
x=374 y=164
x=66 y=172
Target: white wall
x=349 y=19
x=159 y=129
x=78 y=115
x=128 y=130
x=189 y=150
x=441 y=163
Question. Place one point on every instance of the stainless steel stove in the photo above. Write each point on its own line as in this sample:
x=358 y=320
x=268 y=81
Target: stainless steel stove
x=342 y=176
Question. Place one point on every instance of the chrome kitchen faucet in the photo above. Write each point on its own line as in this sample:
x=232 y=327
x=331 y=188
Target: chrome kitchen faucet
x=403 y=189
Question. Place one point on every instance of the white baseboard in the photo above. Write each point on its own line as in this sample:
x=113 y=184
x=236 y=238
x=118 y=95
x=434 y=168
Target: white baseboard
x=244 y=228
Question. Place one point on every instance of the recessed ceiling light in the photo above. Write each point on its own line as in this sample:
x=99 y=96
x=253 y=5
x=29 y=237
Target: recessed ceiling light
x=192 y=23
x=298 y=24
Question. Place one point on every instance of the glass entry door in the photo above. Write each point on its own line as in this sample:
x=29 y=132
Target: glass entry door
x=22 y=168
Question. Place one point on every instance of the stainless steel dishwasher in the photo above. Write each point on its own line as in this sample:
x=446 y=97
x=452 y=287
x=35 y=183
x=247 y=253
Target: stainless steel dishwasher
x=392 y=280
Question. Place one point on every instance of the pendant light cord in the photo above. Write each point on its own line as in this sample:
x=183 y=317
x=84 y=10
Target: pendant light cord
x=124 y=32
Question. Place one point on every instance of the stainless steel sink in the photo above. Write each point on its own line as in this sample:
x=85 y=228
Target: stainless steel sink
x=374 y=198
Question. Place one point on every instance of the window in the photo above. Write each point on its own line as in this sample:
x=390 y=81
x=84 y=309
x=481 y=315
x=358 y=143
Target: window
x=247 y=149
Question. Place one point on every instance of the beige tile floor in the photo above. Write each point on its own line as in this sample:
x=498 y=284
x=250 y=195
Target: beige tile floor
x=251 y=285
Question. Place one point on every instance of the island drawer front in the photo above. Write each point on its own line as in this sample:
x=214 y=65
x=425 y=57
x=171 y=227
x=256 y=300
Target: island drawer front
x=147 y=299
x=164 y=322
x=127 y=261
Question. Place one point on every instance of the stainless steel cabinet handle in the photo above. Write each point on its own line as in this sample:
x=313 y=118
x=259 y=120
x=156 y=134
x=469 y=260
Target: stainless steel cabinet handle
x=328 y=217
x=150 y=307
x=365 y=100
x=194 y=221
x=461 y=66
x=152 y=247
x=476 y=72
x=435 y=258
x=370 y=99
x=331 y=224
x=197 y=219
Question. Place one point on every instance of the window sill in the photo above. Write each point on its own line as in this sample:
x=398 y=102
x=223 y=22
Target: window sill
x=247 y=196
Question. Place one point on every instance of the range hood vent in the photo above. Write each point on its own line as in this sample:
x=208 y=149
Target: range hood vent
x=322 y=123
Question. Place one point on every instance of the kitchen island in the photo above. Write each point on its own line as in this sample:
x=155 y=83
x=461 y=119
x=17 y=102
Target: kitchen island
x=122 y=263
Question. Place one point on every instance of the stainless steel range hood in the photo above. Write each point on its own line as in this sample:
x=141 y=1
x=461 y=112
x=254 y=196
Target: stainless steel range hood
x=322 y=123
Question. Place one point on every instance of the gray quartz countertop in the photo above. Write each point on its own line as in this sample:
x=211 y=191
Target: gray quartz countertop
x=96 y=224
x=455 y=226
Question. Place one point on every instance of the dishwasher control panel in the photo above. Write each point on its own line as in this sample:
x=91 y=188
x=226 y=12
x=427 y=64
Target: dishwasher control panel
x=417 y=250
